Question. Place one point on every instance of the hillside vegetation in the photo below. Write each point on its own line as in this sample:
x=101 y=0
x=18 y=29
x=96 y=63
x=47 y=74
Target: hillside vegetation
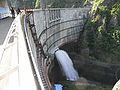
x=102 y=31
x=65 y=3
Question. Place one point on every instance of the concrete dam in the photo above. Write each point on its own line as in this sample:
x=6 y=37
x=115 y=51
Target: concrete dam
x=53 y=28
x=31 y=42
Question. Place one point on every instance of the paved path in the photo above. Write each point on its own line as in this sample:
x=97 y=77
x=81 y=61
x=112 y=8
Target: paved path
x=4 y=27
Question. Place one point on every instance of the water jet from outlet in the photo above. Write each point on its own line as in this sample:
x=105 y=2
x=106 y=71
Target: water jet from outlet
x=66 y=65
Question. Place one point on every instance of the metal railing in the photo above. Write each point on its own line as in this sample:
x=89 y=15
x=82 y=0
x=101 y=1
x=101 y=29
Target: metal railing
x=10 y=40
x=16 y=69
x=39 y=66
x=9 y=62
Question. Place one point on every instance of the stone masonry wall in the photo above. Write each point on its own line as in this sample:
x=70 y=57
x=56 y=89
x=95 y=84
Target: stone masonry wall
x=57 y=26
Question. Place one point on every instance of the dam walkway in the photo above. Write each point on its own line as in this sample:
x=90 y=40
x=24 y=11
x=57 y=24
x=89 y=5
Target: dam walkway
x=16 y=72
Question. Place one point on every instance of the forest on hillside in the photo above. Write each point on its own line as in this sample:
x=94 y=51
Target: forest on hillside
x=66 y=3
x=21 y=3
x=49 y=3
x=102 y=31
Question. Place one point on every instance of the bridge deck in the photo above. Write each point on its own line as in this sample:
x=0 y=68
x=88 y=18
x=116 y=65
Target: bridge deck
x=15 y=66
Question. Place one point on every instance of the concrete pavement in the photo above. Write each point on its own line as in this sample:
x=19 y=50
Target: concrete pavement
x=4 y=27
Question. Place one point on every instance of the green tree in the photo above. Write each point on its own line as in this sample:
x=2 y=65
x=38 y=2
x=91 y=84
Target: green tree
x=37 y=4
x=115 y=9
x=58 y=3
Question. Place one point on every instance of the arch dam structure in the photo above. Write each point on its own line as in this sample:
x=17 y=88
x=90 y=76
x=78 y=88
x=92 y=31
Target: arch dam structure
x=29 y=47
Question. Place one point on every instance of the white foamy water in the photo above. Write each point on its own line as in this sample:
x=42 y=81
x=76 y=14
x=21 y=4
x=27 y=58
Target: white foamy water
x=66 y=65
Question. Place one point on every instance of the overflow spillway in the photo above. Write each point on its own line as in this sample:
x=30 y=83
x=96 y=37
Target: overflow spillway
x=66 y=65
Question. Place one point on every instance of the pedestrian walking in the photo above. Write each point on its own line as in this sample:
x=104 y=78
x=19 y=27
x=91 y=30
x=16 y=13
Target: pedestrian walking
x=18 y=11
x=12 y=12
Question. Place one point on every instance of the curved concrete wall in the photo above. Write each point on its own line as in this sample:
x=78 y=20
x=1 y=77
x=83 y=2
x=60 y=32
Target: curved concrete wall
x=55 y=27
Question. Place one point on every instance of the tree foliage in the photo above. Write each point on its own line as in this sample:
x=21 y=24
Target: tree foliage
x=57 y=3
x=65 y=3
x=103 y=28
x=115 y=9
x=37 y=4
x=95 y=4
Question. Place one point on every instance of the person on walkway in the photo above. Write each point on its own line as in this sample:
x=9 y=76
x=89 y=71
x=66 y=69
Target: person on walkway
x=12 y=12
x=18 y=11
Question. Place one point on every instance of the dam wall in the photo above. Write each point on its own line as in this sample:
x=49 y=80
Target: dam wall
x=50 y=29
x=55 y=27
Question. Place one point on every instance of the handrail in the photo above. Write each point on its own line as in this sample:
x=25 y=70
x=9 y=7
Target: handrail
x=43 y=87
x=31 y=55
x=116 y=86
x=7 y=60
x=16 y=63
x=9 y=34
